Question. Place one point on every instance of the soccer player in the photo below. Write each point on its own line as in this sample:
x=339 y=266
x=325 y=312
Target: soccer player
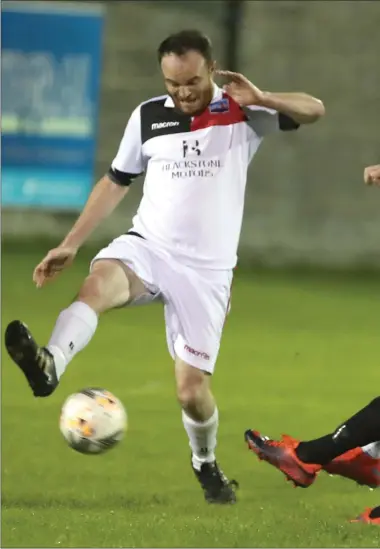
x=194 y=145
x=351 y=451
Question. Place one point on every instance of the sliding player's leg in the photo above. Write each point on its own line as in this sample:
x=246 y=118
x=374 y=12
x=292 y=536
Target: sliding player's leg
x=301 y=461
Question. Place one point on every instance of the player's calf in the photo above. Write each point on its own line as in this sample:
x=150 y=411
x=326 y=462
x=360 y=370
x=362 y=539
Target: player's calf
x=200 y=419
x=193 y=391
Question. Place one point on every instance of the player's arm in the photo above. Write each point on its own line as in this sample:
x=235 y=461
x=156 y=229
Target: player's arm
x=104 y=198
x=300 y=107
x=372 y=175
x=112 y=188
x=268 y=112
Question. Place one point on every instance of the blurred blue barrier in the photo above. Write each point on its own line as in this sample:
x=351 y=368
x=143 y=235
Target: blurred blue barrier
x=51 y=65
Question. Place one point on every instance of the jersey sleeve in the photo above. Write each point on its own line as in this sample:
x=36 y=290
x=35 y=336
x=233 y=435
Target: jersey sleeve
x=129 y=162
x=264 y=121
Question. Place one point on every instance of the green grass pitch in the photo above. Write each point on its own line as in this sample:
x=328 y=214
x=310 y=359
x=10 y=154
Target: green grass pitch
x=300 y=353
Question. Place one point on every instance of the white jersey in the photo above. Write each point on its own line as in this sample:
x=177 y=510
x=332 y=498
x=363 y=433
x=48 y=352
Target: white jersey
x=195 y=174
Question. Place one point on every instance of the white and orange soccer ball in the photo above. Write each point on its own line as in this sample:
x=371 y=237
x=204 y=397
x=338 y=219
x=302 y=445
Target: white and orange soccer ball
x=93 y=421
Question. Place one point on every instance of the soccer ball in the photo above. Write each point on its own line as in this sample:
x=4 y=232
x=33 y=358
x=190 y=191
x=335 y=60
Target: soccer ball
x=93 y=421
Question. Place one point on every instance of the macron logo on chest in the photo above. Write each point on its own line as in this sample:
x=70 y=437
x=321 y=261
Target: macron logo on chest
x=160 y=121
x=161 y=125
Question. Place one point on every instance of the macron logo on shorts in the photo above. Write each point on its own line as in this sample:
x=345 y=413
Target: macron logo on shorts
x=160 y=125
x=201 y=354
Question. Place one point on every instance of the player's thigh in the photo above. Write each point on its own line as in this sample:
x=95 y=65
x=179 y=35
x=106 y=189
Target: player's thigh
x=109 y=285
x=121 y=274
x=195 y=314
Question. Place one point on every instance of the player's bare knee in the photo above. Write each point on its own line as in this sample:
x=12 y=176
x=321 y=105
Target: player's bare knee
x=92 y=293
x=106 y=287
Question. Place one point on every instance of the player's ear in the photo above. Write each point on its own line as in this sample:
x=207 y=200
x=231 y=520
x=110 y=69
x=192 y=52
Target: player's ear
x=212 y=67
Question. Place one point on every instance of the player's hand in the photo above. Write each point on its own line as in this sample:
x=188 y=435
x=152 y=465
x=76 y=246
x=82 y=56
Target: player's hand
x=241 y=89
x=54 y=262
x=372 y=175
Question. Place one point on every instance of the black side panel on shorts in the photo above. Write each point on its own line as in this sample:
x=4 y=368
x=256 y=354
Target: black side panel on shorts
x=156 y=120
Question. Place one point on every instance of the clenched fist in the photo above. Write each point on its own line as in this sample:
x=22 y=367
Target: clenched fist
x=372 y=175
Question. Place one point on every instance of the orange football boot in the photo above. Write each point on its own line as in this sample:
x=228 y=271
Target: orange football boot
x=369 y=516
x=281 y=454
x=358 y=466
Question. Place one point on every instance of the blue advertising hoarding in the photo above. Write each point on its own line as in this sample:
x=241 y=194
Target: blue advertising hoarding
x=51 y=62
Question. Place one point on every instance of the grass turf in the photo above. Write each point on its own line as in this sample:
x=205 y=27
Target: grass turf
x=300 y=353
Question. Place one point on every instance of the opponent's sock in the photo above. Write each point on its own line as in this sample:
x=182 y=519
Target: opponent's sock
x=73 y=330
x=375 y=513
x=360 y=430
x=202 y=438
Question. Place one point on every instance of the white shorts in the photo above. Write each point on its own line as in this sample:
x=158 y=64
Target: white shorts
x=196 y=301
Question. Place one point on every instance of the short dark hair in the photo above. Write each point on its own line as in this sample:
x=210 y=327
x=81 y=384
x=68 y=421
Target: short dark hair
x=184 y=41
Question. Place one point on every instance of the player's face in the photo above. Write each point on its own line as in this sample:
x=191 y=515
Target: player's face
x=188 y=79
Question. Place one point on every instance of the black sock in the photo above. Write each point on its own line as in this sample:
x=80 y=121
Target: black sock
x=375 y=513
x=361 y=429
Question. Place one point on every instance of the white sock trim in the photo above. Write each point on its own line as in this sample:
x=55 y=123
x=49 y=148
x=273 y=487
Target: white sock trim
x=85 y=313
x=200 y=424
